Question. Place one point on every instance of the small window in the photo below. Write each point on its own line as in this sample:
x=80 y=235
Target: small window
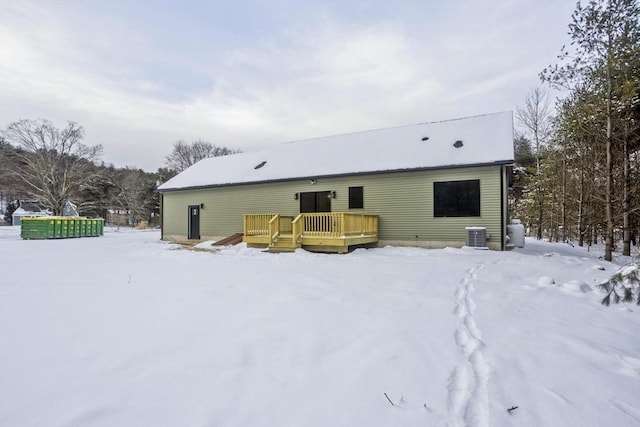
x=356 y=198
x=456 y=198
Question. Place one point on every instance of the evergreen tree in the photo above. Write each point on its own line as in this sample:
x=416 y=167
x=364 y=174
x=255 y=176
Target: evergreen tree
x=623 y=286
x=604 y=62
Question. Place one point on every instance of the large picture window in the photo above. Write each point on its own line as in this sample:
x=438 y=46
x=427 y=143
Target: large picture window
x=356 y=198
x=456 y=198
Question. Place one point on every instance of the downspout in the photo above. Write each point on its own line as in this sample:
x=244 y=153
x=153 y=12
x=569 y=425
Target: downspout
x=161 y=216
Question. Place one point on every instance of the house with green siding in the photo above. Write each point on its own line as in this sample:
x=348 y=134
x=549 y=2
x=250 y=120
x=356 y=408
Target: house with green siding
x=430 y=185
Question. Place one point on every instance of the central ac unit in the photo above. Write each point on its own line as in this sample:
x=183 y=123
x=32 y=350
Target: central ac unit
x=476 y=237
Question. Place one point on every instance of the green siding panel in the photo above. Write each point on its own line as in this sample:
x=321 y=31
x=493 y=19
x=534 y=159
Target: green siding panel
x=403 y=201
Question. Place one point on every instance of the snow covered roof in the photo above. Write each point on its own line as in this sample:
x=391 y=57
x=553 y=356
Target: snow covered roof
x=21 y=212
x=31 y=207
x=485 y=139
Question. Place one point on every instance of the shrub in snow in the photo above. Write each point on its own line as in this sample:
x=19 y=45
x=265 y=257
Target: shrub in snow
x=624 y=285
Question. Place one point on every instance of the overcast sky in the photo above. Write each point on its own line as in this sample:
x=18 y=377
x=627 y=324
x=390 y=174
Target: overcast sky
x=138 y=75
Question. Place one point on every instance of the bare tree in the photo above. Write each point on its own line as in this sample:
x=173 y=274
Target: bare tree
x=136 y=189
x=51 y=163
x=184 y=154
x=535 y=117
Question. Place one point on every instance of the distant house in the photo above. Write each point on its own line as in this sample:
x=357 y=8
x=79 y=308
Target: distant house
x=118 y=216
x=70 y=209
x=29 y=209
x=430 y=185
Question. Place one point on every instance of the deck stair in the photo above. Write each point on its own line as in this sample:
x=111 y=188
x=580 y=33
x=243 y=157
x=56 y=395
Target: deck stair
x=283 y=243
x=234 y=239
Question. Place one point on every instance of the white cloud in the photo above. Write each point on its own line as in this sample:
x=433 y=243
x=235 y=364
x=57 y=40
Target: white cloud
x=334 y=78
x=318 y=76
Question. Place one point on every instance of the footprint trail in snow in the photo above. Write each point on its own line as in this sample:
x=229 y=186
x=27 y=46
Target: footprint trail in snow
x=468 y=397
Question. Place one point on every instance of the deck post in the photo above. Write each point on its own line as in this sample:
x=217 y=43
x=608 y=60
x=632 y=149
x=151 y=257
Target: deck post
x=244 y=224
x=297 y=227
x=274 y=228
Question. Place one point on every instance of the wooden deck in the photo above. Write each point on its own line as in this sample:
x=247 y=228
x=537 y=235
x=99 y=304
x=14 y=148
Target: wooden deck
x=319 y=232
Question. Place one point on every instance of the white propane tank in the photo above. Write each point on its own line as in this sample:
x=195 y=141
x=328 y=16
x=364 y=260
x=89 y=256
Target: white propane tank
x=515 y=230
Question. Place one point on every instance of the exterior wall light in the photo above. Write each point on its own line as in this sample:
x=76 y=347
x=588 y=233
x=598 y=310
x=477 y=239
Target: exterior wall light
x=313 y=181
x=201 y=205
x=333 y=194
x=295 y=196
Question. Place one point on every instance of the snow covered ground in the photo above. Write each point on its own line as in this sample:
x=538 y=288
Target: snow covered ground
x=126 y=330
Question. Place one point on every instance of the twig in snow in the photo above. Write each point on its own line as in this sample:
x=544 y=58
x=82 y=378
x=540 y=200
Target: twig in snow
x=385 y=395
x=129 y=279
x=513 y=408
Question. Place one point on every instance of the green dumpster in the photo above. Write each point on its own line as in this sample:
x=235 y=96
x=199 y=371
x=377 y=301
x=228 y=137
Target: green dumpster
x=37 y=228
x=61 y=227
x=96 y=231
x=57 y=229
x=71 y=227
x=51 y=229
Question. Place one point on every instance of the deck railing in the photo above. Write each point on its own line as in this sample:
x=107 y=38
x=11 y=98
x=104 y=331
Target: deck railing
x=310 y=225
x=257 y=224
x=274 y=228
x=297 y=227
x=339 y=224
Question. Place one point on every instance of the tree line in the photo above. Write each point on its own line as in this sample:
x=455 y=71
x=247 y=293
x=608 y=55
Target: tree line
x=41 y=162
x=577 y=174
